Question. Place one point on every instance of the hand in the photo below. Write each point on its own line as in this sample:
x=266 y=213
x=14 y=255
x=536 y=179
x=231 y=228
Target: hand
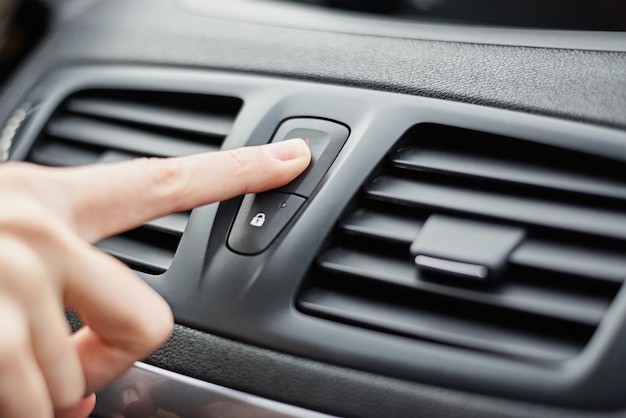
x=49 y=217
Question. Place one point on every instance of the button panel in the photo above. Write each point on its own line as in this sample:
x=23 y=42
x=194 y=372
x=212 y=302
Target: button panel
x=263 y=216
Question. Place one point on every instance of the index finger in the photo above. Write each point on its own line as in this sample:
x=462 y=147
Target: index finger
x=106 y=199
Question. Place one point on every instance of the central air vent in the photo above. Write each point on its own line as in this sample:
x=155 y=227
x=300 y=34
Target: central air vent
x=99 y=126
x=563 y=258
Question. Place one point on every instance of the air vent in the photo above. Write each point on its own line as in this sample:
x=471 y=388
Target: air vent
x=563 y=218
x=100 y=126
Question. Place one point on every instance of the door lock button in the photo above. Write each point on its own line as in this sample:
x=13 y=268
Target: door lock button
x=260 y=219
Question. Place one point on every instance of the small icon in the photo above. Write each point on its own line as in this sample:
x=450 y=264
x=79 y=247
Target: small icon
x=258 y=220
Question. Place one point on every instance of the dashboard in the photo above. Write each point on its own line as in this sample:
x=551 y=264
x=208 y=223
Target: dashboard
x=458 y=247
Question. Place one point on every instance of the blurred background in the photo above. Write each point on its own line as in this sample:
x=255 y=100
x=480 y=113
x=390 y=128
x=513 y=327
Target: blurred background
x=22 y=24
x=600 y=15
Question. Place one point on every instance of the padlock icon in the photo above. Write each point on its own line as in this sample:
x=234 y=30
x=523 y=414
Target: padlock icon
x=258 y=220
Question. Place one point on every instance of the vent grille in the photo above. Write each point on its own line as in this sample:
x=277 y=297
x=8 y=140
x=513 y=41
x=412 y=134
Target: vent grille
x=557 y=283
x=99 y=126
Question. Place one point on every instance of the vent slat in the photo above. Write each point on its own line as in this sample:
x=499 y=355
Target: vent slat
x=380 y=225
x=571 y=259
x=503 y=169
x=562 y=304
x=372 y=266
x=529 y=210
x=107 y=135
x=139 y=254
x=453 y=328
x=159 y=116
x=172 y=224
x=62 y=153
x=59 y=153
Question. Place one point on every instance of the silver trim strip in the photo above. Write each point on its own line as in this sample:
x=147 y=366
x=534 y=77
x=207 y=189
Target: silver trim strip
x=150 y=391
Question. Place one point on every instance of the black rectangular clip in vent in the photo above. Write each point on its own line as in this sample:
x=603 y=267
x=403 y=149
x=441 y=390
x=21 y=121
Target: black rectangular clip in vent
x=100 y=126
x=465 y=249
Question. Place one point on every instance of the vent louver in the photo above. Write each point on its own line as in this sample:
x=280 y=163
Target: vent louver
x=99 y=126
x=557 y=283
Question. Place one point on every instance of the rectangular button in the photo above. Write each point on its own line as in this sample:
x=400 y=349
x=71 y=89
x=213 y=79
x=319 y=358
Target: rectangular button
x=325 y=138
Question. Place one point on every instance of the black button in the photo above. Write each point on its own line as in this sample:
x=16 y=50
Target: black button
x=260 y=219
x=325 y=140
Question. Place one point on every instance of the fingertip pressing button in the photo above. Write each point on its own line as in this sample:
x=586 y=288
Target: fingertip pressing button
x=325 y=139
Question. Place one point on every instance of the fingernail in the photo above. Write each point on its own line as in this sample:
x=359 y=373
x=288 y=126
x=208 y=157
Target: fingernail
x=290 y=149
x=82 y=409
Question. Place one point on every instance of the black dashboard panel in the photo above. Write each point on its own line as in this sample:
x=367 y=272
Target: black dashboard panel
x=392 y=92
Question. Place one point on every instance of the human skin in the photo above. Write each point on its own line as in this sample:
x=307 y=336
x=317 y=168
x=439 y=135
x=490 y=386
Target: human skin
x=49 y=217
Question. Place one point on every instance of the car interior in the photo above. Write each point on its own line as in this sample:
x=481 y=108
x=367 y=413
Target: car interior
x=457 y=247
